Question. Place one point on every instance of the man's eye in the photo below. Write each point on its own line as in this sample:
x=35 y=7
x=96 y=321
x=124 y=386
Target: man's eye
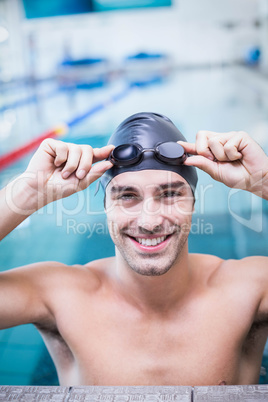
x=170 y=194
x=127 y=196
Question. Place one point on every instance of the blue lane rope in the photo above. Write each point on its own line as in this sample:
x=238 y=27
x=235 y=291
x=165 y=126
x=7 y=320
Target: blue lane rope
x=30 y=99
x=100 y=106
x=18 y=153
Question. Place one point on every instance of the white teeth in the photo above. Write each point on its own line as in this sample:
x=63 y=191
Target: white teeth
x=154 y=242
x=151 y=242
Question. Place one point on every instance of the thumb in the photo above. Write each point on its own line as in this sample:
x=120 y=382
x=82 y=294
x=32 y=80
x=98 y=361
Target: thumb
x=100 y=154
x=202 y=163
x=188 y=147
x=96 y=172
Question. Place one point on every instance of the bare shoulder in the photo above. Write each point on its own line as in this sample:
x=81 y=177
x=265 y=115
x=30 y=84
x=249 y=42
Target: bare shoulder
x=215 y=269
x=39 y=292
x=258 y=263
x=254 y=268
x=90 y=275
x=52 y=274
x=244 y=280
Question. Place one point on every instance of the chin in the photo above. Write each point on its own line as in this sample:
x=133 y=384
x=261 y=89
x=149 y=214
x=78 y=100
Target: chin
x=149 y=270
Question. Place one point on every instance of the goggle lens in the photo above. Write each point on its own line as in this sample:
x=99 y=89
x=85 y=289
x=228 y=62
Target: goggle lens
x=129 y=154
x=170 y=150
x=126 y=154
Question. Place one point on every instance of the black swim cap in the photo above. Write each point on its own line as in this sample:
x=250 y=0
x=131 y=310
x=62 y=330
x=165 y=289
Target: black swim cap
x=148 y=130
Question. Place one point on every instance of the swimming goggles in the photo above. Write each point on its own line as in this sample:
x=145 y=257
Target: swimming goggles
x=170 y=152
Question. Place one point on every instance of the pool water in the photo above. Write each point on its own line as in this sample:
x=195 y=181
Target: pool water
x=226 y=223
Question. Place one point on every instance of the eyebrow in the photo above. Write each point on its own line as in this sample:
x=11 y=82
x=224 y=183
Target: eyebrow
x=120 y=189
x=174 y=184
x=163 y=186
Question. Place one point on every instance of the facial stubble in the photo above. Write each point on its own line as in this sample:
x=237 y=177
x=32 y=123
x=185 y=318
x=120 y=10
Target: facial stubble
x=151 y=264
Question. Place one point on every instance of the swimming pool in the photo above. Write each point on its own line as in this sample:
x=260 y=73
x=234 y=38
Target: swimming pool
x=227 y=223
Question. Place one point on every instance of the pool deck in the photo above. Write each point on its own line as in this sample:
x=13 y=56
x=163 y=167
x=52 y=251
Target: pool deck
x=138 y=393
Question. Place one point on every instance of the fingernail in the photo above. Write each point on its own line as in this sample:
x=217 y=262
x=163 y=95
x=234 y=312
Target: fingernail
x=81 y=174
x=65 y=174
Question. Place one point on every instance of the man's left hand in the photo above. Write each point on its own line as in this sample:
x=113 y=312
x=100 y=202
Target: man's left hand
x=233 y=158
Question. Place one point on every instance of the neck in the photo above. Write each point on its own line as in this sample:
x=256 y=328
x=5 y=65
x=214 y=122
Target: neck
x=155 y=293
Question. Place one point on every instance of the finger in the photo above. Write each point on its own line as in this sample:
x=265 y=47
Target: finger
x=205 y=164
x=73 y=160
x=100 y=154
x=216 y=146
x=232 y=146
x=202 y=144
x=61 y=155
x=85 y=162
x=188 y=147
x=97 y=171
x=57 y=149
x=226 y=146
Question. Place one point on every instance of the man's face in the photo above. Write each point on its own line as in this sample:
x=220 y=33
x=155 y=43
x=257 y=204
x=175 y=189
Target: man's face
x=149 y=216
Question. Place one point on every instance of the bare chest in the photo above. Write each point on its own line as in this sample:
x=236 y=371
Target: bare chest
x=113 y=346
x=158 y=355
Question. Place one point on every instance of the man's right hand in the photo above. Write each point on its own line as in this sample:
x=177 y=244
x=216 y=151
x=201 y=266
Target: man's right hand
x=59 y=169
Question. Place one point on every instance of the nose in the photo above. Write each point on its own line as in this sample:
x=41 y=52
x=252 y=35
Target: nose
x=150 y=219
x=147 y=229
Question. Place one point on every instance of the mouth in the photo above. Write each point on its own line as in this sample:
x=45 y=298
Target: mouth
x=151 y=244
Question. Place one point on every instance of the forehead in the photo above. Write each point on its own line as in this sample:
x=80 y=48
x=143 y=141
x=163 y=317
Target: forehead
x=146 y=179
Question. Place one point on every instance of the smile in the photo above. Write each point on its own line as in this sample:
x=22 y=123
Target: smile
x=150 y=242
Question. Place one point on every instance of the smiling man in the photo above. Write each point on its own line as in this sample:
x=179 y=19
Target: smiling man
x=149 y=223
x=149 y=219
x=154 y=314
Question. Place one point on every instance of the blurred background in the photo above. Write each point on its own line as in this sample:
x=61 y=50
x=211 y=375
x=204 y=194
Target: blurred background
x=74 y=70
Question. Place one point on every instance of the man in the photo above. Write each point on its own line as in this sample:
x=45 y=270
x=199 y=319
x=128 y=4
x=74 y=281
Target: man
x=153 y=314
